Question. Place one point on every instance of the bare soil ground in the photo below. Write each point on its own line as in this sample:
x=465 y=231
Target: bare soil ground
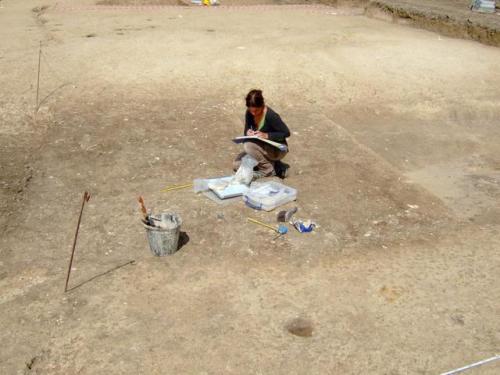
x=448 y=17
x=394 y=151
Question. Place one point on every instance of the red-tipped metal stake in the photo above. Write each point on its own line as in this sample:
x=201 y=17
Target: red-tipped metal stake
x=86 y=197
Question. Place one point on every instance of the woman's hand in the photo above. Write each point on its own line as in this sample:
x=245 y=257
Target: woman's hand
x=250 y=132
x=261 y=135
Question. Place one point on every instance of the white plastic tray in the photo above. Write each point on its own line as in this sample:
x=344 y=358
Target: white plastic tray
x=269 y=195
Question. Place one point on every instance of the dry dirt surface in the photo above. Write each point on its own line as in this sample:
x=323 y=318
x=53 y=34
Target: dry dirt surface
x=448 y=17
x=394 y=152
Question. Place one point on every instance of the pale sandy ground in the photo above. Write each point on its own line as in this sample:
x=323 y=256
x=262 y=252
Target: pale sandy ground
x=394 y=153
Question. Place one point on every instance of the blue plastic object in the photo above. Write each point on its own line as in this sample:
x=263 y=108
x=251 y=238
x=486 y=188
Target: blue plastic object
x=282 y=229
x=302 y=227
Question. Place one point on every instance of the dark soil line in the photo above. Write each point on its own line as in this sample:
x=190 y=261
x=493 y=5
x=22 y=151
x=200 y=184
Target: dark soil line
x=438 y=22
x=462 y=25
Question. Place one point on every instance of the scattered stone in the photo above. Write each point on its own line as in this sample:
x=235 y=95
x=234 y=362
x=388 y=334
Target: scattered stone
x=300 y=327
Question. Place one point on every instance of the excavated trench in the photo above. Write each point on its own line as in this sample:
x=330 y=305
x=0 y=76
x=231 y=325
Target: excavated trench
x=452 y=18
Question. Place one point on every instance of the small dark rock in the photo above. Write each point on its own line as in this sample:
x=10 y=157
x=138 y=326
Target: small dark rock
x=300 y=327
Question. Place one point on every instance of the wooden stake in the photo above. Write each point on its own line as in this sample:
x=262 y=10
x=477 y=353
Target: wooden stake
x=86 y=197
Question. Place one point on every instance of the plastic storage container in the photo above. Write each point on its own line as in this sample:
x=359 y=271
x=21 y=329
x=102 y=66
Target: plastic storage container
x=269 y=195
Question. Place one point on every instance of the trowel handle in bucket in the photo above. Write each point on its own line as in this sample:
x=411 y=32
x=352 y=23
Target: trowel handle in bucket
x=143 y=207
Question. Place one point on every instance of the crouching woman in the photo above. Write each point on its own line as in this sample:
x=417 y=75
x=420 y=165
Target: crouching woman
x=262 y=122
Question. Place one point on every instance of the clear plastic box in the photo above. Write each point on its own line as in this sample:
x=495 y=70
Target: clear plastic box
x=268 y=195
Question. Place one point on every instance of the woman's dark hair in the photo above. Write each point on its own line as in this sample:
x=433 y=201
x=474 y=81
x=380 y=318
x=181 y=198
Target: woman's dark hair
x=255 y=99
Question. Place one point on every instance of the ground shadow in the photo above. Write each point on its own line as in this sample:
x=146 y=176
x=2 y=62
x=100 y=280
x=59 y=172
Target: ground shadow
x=102 y=274
x=183 y=240
x=50 y=94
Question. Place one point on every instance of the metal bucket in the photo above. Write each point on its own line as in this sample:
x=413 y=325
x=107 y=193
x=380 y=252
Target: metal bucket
x=164 y=236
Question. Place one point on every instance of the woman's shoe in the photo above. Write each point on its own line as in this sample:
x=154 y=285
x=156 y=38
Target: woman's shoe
x=281 y=169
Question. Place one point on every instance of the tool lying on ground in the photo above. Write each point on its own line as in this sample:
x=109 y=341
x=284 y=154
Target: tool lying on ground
x=176 y=187
x=285 y=216
x=281 y=228
x=86 y=197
